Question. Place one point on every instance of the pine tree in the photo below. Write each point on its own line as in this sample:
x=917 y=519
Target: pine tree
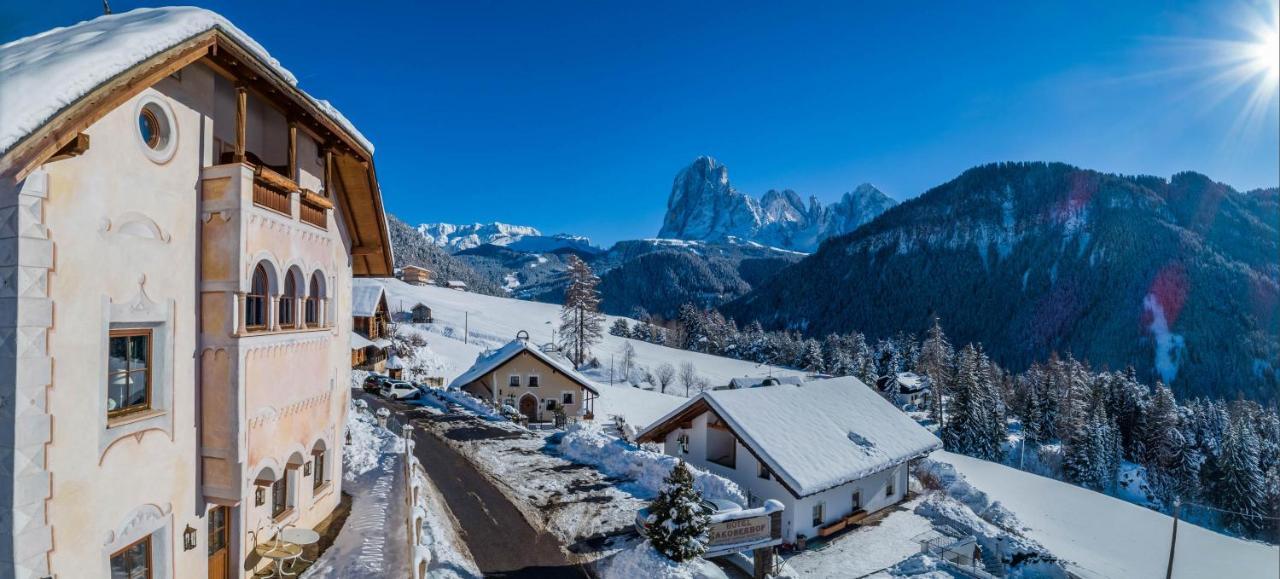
x=1241 y=487
x=580 y=319
x=813 y=357
x=677 y=524
x=621 y=328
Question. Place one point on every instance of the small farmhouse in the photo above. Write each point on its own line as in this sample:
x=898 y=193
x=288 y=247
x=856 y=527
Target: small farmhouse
x=414 y=275
x=536 y=384
x=832 y=451
x=456 y=285
x=904 y=388
x=369 y=315
x=421 y=314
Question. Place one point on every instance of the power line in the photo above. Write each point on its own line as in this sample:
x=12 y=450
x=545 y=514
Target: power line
x=1232 y=512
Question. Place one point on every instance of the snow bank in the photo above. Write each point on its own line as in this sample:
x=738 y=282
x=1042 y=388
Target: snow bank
x=368 y=442
x=647 y=470
x=1106 y=537
x=44 y=73
x=644 y=561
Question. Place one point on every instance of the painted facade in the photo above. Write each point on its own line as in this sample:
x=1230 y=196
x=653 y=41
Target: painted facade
x=528 y=380
x=163 y=239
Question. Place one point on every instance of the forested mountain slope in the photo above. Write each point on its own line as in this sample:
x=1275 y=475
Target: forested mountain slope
x=1177 y=277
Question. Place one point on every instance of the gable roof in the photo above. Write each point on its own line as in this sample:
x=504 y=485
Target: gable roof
x=485 y=364
x=55 y=84
x=814 y=436
x=756 y=381
x=365 y=295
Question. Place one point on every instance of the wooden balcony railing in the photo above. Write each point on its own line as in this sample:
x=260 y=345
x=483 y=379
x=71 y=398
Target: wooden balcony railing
x=314 y=209
x=272 y=190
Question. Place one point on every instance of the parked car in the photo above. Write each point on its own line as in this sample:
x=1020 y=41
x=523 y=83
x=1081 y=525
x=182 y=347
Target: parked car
x=399 y=390
x=373 y=383
x=711 y=506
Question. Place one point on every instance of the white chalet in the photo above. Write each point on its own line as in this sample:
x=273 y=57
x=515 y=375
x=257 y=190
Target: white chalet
x=905 y=388
x=832 y=451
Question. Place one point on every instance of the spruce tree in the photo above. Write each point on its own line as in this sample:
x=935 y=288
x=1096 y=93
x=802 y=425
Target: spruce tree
x=620 y=328
x=677 y=524
x=1241 y=487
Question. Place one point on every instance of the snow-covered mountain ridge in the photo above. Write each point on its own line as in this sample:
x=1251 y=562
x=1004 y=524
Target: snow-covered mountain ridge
x=458 y=237
x=704 y=206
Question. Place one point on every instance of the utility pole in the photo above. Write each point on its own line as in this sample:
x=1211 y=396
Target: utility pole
x=1173 y=541
x=611 y=369
x=466 y=327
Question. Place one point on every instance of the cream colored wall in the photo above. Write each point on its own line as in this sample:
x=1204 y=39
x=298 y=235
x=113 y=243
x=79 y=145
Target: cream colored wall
x=551 y=383
x=125 y=230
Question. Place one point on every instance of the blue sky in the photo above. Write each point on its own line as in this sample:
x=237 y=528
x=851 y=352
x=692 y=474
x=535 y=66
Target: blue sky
x=575 y=116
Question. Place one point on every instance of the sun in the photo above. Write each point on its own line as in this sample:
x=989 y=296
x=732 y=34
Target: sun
x=1265 y=55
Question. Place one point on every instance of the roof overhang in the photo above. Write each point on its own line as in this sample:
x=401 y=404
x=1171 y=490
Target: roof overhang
x=359 y=197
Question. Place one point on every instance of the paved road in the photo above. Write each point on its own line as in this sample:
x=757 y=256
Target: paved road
x=502 y=542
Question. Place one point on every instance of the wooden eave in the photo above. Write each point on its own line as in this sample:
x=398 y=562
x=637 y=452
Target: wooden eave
x=359 y=197
x=695 y=408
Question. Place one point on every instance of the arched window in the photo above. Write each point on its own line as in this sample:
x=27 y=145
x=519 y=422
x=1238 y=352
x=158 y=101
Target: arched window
x=313 y=301
x=288 y=302
x=255 y=304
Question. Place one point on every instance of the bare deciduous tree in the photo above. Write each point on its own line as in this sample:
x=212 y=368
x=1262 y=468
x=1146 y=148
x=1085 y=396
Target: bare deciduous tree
x=688 y=376
x=665 y=375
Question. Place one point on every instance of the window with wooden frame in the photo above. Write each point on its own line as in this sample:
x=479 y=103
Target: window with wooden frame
x=566 y=398
x=288 y=302
x=818 y=514
x=280 y=496
x=513 y=381
x=255 y=303
x=533 y=381
x=313 y=301
x=217 y=529
x=317 y=471
x=128 y=371
x=888 y=490
x=132 y=562
x=762 y=471
x=857 y=500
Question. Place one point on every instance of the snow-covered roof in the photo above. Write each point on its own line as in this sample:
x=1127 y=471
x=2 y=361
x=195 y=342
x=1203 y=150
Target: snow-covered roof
x=755 y=381
x=909 y=382
x=395 y=363
x=485 y=364
x=817 y=435
x=365 y=295
x=359 y=342
x=456 y=283
x=42 y=74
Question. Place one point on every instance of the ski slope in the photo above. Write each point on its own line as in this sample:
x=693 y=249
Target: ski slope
x=1107 y=537
x=490 y=322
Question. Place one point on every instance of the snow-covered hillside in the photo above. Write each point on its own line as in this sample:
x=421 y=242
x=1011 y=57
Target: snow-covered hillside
x=1107 y=537
x=490 y=322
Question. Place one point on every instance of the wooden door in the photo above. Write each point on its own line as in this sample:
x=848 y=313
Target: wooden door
x=529 y=407
x=219 y=556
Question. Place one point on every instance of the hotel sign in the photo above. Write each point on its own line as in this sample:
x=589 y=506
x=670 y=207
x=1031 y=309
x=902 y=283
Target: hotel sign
x=740 y=531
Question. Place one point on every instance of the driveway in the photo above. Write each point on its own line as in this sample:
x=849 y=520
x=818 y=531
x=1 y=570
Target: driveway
x=500 y=539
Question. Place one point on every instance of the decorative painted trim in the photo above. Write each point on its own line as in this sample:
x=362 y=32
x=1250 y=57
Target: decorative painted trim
x=134 y=224
x=269 y=414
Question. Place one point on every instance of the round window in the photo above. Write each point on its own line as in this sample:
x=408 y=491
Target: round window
x=156 y=129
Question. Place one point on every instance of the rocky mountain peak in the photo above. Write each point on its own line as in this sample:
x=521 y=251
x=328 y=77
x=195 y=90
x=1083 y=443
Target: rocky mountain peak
x=704 y=206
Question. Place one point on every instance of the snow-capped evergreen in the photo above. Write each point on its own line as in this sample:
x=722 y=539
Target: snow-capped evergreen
x=677 y=520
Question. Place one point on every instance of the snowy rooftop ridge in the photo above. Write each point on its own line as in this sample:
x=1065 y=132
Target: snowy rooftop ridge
x=487 y=362
x=820 y=434
x=43 y=74
x=365 y=295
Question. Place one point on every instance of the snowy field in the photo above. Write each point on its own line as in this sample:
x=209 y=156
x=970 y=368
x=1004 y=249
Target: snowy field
x=491 y=322
x=1107 y=537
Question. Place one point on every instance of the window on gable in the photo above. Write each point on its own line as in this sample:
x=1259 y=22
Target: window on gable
x=533 y=381
x=513 y=381
x=128 y=371
x=566 y=398
x=762 y=471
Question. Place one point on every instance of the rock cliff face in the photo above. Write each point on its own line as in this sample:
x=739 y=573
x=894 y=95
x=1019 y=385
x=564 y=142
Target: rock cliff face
x=704 y=206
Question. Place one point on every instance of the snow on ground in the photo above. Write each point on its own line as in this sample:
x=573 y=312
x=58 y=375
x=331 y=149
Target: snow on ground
x=645 y=469
x=642 y=560
x=1107 y=537
x=867 y=549
x=491 y=322
x=374 y=540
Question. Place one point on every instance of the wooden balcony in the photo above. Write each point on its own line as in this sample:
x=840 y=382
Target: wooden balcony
x=314 y=209
x=272 y=190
